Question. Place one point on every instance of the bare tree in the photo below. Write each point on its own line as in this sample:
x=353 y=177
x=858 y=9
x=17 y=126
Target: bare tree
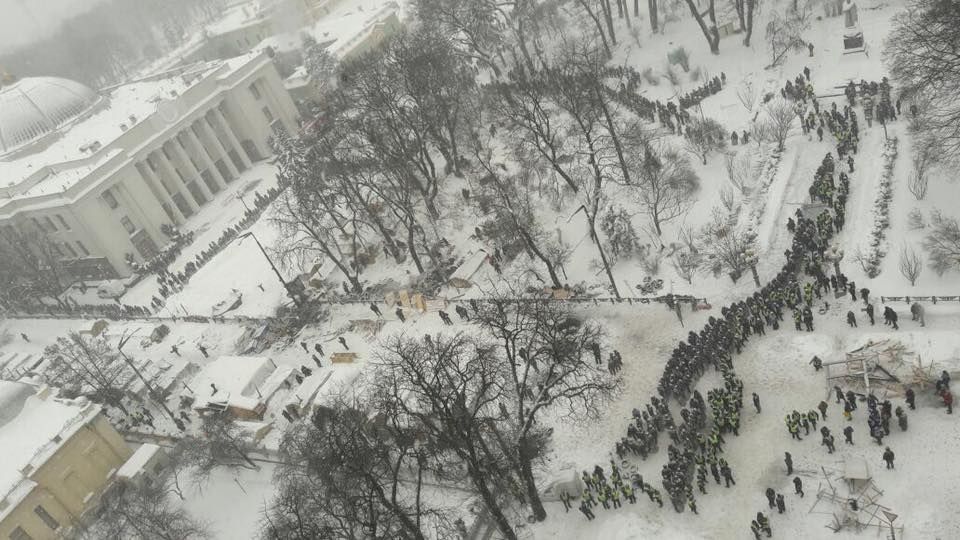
x=448 y=388
x=33 y=264
x=745 y=9
x=663 y=182
x=910 y=264
x=724 y=245
x=350 y=472
x=942 y=243
x=710 y=32
x=514 y=203
x=140 y=512
x=747 y=94
x=784 y=34
x=928 y=69
x=220 y=442
x=740 y=172
x=88 y=366
x=686 y=263
x=541 y=359
x=924 y=159
x=703 y=136
x=476 y=24
x=777 y=122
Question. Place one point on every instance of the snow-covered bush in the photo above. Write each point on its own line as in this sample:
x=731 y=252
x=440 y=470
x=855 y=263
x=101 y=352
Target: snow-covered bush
x=617 y=226
x=681 y=57
x=870 y=259
x=686 y=263
x=649 y=76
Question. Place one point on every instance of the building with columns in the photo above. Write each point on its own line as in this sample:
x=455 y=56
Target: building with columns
x=99 y=174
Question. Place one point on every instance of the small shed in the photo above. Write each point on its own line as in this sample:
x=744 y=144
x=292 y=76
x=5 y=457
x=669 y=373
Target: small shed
x=145 y=465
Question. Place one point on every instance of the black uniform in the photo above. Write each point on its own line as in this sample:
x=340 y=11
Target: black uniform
x=798 y=485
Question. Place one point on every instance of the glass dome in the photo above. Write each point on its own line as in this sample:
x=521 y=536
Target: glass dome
x=33 y=107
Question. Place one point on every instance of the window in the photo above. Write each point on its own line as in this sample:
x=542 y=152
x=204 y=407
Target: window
x=63 y=222
x=268 y=114
x=50 y=225
x=70 y=250
x=83 y=249
x=254 y=90
x=111 y=200
x=46 y=517
x=127 y=224
x=20 y=534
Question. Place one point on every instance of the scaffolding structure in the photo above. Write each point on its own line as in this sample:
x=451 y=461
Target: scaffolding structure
x=850 y=497
x=884 y=368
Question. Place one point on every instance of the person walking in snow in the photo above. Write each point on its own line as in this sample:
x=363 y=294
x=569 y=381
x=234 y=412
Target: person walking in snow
x=376 y=310
x=869 y=310
x=317 y=347
x=888 y=457
x=771 y=497
x=823 y=409
x=781 y=504
x=203 y=350
x=798 y=486
x=399 y=313
x=343 y=341
x=788 y=461
x=756 y=402
x=848 y=434
x=851 y=319
x=911 y=399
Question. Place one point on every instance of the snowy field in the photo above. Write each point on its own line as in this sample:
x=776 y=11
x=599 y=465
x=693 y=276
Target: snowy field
x=923 y=489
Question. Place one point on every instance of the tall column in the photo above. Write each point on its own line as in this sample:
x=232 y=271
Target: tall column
x=231 y=137
x=211 y=136
x=198 y=148
x=188 y=167
x=171 y=173
x=152 y=179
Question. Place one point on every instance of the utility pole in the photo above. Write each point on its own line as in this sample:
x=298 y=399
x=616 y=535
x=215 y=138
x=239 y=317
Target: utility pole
x=150 y=391
x=294 y=297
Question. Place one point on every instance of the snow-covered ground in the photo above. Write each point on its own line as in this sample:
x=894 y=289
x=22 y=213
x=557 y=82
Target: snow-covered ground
x=922 y=490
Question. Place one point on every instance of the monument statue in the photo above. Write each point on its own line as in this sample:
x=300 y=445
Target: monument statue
x=850 y=18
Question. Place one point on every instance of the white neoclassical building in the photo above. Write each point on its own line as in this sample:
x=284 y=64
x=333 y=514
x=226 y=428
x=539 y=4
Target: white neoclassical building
x=100 y=172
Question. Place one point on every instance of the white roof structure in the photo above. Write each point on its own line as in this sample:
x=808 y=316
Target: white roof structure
x=33 y=425
x=238 y=381
x=321 y=388
x=138 y=461
x=33 y=107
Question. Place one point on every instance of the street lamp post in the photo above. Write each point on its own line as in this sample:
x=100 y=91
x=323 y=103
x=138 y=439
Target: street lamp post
x=293 y=296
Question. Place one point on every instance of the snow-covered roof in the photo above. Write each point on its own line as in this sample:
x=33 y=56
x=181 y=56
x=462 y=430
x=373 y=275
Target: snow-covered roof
x=140 y=458
x=126 y=106
x=322 y=386
x=33 y=107
x=237 y=379
x=236 y=17
x=34 y=426
x=347 y=24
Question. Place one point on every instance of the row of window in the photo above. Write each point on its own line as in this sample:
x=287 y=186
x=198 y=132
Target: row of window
x=49 y=226
x=67 y=250
x=48 y=520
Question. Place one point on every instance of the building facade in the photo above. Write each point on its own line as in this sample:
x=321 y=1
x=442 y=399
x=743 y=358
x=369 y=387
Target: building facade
x=101 y=185
x=58 y=457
